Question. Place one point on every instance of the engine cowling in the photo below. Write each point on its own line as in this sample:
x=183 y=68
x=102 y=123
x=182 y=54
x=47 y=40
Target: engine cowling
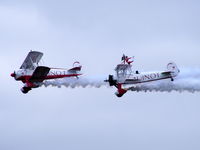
x=111 y=81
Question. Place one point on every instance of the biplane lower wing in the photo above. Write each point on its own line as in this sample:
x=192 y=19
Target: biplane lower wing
x=166 y=73
x=40 y=74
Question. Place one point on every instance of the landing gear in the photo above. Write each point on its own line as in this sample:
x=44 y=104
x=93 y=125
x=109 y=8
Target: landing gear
x=25 y=90
x=172 y=79
x=120 y=91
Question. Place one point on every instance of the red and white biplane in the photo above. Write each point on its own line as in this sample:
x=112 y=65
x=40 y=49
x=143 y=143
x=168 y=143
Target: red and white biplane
x=33 y=75
x=126 y=76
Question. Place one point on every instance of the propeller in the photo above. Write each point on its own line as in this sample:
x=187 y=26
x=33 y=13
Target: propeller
x=13 y=74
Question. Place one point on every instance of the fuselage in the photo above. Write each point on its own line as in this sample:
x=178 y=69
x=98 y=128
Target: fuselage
x=25 y=75
x=143 y=77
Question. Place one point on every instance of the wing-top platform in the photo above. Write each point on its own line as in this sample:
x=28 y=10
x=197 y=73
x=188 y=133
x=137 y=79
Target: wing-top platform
x=32 y=60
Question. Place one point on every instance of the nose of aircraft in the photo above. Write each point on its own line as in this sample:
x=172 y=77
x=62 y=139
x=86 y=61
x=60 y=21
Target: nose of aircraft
x=12 y=74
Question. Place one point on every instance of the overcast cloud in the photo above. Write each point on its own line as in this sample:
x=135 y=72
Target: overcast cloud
x=97 y=33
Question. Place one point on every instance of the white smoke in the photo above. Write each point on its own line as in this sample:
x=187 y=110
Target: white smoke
x=187 y=80
x=82 y=81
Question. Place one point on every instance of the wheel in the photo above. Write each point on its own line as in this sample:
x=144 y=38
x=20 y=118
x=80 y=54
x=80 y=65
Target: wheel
x=25 y=90
x=119 y=95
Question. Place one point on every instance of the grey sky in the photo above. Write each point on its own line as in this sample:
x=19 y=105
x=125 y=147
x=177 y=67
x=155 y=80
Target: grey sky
x=97 y=33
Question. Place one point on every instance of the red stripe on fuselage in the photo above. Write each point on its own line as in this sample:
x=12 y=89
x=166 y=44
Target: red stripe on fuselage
x=137 y=82
x=61 y=76
x=26 y=78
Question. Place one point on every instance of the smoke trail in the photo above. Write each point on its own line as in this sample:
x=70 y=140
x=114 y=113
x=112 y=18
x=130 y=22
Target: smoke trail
x=82 y=81
x=187 y=80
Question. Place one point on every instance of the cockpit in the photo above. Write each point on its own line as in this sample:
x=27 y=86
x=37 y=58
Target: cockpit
x=122 y=70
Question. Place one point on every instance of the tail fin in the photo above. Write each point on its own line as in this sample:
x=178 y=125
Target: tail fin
x=76 y=68
x=173 y=68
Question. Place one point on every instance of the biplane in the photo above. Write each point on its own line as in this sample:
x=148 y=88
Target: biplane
x=33 y=75
x=126 y=76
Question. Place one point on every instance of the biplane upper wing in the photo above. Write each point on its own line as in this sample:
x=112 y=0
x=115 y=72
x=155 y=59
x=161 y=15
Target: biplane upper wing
x=122 y=67
x=39 y=74
x=32 y=58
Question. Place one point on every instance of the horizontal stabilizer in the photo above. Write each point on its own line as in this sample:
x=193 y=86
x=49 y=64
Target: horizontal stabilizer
x=74 y=70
